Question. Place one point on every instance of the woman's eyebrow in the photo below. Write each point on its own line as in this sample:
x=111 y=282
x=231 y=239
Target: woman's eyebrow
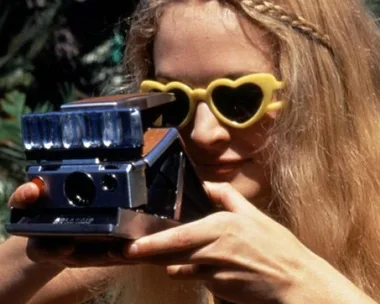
x=236 y=75
x=231 y=75
x=164 y=77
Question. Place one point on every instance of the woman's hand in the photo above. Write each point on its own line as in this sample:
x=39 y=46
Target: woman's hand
x=48 y=281
x=59 y=250
x=242 y=255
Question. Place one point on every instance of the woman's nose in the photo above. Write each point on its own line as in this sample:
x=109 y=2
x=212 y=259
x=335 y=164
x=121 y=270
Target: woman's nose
x=208 y=133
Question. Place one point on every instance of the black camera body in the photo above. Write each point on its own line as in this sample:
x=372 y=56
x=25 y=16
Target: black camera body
x=106 y=171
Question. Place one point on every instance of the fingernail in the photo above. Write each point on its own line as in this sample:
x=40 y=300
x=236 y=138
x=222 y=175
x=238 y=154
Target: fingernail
x=173 y=269
x=130 y=250
x=38 y=182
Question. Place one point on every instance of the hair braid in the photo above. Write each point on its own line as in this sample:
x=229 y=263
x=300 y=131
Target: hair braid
x=297 y=22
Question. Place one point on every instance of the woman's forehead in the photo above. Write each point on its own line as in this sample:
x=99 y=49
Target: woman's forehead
x=203 y=41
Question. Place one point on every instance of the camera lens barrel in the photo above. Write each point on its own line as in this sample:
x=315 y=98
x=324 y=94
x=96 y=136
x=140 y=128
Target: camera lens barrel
x=80 y=189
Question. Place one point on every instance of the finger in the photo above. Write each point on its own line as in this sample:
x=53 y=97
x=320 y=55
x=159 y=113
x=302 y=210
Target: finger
x=198 y=256
x=42 y=250
x=224 y=195
x=190 y=272
x=71 y=256
x=177 y=239
x=95 y=254
x=208 y=273
x=115 y=252
x=98 y=259
x=237 y=286
x=64 y=252
x=24 y=195
x=228 y=283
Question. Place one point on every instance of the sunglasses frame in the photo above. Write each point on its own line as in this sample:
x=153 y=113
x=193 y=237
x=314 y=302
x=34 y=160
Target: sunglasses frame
x=267 y=83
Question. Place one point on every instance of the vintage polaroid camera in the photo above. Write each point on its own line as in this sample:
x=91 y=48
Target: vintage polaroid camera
x=104 y=172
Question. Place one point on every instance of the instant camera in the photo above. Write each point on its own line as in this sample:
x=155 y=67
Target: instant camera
x=107 y=169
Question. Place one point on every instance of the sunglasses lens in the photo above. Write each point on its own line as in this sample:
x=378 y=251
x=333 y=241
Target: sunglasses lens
x=238 y=104
x=176 y=112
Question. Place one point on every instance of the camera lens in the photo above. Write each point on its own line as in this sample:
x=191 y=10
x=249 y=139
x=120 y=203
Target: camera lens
x=80 y=189
x=109 y=183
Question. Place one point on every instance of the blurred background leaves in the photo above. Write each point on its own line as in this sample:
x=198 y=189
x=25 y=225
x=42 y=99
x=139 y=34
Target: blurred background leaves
x=374 y=6
x=52 y=52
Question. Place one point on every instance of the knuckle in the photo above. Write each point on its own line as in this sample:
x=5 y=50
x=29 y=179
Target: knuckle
x=225 y=190
x=222 y=217
x=233 y=224
x=229 y=241
x=230 y=223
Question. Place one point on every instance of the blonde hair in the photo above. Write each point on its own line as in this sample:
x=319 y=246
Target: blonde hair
x=325 y=150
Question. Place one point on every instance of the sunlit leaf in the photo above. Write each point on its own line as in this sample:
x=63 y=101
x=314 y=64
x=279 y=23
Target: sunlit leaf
x=13 y=103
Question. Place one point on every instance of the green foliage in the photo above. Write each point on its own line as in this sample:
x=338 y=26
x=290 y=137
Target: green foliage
x=28 y=43
x=12 y=161
x=11 y=153
x=374 y=6
x=52 y=51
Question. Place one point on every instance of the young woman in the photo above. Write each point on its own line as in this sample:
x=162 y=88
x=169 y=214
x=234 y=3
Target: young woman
x=280 y=105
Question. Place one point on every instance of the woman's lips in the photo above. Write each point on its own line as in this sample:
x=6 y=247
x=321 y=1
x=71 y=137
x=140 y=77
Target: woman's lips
x=222 y=168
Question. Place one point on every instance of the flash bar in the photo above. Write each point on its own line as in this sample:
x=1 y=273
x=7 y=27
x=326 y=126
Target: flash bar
x=101 y=127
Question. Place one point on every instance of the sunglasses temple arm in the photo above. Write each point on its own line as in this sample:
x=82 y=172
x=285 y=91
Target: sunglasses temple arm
x=274 y=106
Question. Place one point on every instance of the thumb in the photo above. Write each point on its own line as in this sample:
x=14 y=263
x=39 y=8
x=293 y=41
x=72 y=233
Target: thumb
x=228 y=198
x=25 y=194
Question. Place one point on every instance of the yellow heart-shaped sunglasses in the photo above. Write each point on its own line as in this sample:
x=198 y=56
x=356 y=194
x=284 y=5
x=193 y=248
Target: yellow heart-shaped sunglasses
x=237 y=103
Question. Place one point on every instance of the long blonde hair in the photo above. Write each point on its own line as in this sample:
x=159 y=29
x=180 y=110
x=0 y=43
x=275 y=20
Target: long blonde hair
x=325 y=151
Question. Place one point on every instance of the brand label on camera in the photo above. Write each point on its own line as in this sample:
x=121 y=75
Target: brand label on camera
x=73 y=220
